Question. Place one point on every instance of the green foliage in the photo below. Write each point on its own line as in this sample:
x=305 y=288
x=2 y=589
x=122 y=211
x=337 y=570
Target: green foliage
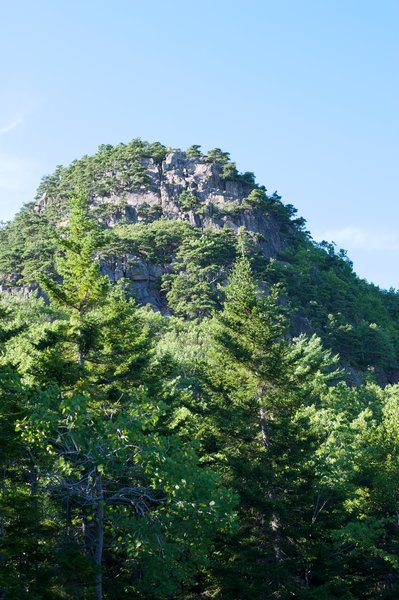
x=188 y=201
x=194 y=151
x=256 y=200
x=146 y=488
x=113 y=170
x=255 y=384
x=157 y=242
x=107 y=211
x=352 y=317
x=229 y=170
x=295 y=449
x=148 y=213
x=226 y=209
x=230 y=173
x=27 y=246
x=193 y=288
x=247 y=178
x=104 y=466
x=217 y=155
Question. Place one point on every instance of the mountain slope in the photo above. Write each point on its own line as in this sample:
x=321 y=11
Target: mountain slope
x=173 y=225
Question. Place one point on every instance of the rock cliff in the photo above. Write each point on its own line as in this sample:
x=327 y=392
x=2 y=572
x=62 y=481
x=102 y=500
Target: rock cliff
x=182 y=188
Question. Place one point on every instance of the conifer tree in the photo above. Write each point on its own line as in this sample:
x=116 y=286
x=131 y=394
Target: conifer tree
x=258 y=381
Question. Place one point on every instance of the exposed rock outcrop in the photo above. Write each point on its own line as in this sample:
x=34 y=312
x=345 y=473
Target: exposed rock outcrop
x=184 y=188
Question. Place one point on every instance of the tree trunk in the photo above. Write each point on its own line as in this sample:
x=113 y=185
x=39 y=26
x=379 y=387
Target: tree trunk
x=2 y=529
x=98 y=557
x=263 y=416
x=35 y=528
x=275 y=524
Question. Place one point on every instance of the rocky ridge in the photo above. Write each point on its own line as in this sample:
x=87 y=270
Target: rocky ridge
x=181 y=188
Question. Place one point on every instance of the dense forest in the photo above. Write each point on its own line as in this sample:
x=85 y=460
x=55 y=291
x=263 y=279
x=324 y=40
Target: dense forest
x=197 y=400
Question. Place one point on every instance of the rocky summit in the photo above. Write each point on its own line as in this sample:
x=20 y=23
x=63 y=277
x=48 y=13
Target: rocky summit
x=185 y=189
x=198 y=190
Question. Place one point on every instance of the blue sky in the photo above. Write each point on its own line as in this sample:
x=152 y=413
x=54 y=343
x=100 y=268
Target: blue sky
x=304 y=93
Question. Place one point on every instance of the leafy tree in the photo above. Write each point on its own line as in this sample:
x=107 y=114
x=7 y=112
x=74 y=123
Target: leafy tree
x=256 y=199
x=188 y=201
x=194 y=151
x=157 y=241
x=229 y=171
x=149 y=213
x=217 y=155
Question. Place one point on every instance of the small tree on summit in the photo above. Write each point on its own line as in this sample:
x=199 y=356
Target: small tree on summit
x=218 y=155
x=194 y=151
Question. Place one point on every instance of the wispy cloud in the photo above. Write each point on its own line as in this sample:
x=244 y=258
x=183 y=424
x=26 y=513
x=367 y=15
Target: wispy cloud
x=19 y=174
x=13 y=124
x=12 y=171
x=19 y=177
x=361 y=238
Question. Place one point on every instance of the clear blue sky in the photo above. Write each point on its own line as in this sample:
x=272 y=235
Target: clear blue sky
x=305 y=93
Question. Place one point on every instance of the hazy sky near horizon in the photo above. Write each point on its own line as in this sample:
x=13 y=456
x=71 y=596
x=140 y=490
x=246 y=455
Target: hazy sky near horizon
x=305 y=93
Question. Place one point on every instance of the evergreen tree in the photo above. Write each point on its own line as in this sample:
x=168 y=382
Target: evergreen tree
x=258 y=382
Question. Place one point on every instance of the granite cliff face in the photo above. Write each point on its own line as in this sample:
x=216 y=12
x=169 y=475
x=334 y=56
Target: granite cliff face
x=217 y=199
x=180 y=188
